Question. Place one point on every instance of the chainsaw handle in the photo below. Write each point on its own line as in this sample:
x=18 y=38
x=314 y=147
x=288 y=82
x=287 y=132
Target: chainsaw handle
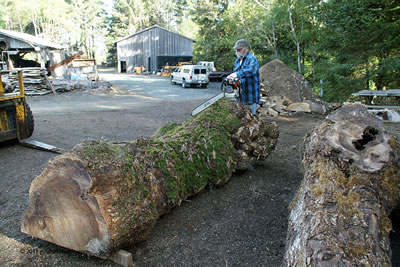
x=224 y=84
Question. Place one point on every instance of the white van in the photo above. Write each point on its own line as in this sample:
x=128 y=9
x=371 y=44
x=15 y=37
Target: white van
x=190 y=75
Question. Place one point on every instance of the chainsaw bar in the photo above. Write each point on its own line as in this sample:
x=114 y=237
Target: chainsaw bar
x=208 y=103
x=229 y=88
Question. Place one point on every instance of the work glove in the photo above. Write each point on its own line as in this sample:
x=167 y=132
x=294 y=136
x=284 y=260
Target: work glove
x=232 y=75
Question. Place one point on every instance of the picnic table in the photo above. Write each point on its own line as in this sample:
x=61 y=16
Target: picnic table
x=370 y=94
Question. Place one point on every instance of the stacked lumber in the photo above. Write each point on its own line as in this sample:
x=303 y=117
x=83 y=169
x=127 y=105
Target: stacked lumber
x=35 y=81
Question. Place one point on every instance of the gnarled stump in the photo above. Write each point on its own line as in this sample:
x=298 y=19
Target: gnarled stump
x=104 y=195
x=339 y=216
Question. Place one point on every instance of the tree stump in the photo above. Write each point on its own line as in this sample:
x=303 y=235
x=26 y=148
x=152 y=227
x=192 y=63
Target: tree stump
x=103 y=195
x=340 y=214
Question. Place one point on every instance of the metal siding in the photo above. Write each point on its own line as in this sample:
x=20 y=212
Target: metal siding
x=14 y=43
x=154 y=49
x=154 y=42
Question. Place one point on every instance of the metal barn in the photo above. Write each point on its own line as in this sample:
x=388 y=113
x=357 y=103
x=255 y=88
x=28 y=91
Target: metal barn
x=153 y=48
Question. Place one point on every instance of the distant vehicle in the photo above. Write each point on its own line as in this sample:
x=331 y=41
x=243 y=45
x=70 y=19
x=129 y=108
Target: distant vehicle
x=219 y=75
x=208 y=64
x=191 y=75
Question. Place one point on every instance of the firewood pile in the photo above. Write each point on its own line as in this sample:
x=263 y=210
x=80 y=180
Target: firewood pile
x=35 y=81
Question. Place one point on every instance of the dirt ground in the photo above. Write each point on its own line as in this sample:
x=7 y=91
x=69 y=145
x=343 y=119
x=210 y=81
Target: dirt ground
x=240 y=224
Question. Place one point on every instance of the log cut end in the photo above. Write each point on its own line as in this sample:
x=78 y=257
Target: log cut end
x=357 y=137
x=340 y=214
x=60 y=210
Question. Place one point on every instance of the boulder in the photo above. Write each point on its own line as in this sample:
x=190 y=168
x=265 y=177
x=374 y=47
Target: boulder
x=300 y=107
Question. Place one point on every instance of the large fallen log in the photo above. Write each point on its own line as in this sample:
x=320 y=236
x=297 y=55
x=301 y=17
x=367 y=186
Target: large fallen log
x=340 y=214
x=103 y=196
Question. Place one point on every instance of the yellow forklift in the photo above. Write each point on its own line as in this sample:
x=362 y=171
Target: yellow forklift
x=16 y=119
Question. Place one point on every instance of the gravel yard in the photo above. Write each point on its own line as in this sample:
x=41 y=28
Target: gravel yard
x=242 y=223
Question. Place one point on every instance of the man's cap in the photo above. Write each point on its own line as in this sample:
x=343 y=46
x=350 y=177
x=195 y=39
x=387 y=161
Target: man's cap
x=242 y=43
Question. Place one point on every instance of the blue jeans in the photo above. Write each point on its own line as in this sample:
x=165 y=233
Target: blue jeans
x=253 y=108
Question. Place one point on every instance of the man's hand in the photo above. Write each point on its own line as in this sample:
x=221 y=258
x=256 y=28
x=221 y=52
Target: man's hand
x=232 y=75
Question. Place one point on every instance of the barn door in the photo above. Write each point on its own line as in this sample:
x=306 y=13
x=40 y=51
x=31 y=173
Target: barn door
x=123 y=66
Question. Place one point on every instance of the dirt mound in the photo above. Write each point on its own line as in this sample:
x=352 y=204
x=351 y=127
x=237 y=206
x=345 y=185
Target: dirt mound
x=280 y=80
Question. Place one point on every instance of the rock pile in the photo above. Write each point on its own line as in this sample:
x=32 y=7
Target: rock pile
x=65 y=85
x=284 y=90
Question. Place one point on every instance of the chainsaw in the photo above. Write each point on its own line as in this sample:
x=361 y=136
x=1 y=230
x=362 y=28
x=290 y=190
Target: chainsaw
x=230 y=87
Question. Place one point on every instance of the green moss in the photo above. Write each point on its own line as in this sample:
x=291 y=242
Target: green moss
x=357 y=250
x=329 y=179
x=168 y=129
x=100 y=150
x=390 y=183
x=198 y=150
x=348 y=203
x=120 y=159
x=385 y=225
x=393 y=142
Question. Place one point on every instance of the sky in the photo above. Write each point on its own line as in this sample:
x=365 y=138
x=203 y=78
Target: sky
x=108 y=4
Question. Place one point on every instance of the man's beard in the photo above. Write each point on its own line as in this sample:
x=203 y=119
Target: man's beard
x=240 y=55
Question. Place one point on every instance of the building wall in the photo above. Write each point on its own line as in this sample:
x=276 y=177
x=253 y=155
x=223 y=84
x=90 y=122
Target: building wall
x=144 y=48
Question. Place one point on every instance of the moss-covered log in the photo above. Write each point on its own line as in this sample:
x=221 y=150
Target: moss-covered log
x=340 y=215
x=102 y=195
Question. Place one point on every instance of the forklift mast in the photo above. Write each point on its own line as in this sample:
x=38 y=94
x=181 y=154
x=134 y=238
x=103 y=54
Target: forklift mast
x=16 y=120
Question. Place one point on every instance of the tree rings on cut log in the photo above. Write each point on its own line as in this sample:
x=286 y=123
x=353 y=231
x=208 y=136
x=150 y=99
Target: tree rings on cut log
x=340 y=214
x=103 y=196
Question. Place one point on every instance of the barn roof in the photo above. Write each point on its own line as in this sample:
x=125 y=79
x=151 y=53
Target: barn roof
x=30 y=39
x=147 y=29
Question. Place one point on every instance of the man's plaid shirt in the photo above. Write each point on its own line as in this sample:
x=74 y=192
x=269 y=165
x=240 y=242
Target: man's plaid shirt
x=249 y=74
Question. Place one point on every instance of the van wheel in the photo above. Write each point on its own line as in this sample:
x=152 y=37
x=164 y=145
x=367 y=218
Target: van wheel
x=172 y=78
x=204 y=85
x=184 y=84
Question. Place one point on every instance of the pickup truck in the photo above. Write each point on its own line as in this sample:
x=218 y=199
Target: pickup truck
x=218 y=75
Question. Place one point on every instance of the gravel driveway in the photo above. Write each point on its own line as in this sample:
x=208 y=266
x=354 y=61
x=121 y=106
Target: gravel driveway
x=240 y=224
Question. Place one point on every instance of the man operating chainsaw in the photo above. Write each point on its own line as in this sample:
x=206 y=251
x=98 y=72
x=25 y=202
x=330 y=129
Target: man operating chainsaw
x=247 y=70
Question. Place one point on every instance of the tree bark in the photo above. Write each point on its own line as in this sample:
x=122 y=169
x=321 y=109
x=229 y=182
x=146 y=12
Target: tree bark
x=102 y=195
x=340 y=214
